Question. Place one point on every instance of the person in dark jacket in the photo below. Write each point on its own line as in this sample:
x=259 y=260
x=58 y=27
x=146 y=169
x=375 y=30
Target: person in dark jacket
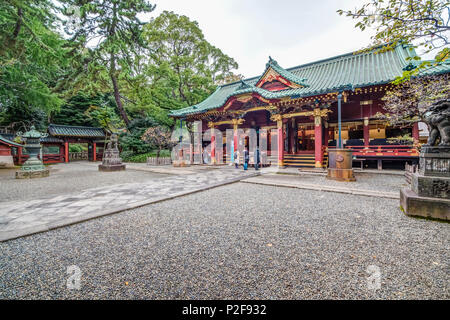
x=257 y=158
x=246 y=158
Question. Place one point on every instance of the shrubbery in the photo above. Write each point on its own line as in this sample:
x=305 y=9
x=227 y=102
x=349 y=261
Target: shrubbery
x=76 y=148
x=142 y=158
x=131 y=142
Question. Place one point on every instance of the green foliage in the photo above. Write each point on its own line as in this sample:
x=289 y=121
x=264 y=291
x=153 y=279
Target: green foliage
x=111 y=61
x=104 y=115
x=130 y=141
x=115 y=27
x=179 y=67
x=142 y=158
x=73 y=111
x=424 y=23
x=405 y=139
x=76 y=148
x=32 y=58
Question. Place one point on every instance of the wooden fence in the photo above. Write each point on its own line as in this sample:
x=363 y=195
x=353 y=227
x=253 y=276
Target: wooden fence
x=74 y=156
x=159 y=161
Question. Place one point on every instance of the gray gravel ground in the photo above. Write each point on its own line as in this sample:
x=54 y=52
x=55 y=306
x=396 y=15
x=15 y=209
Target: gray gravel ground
x=66 y=178
x=277 y=243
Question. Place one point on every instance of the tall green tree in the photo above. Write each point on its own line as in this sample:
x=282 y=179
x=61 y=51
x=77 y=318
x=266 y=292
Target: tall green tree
x=423 y=23
x=32 y=59
x=178 y=68
x=113 y=30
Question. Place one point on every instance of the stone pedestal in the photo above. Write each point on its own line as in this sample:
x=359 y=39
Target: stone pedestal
x=429 y=194
x=32 y=174
x=340 y=165
x=111 y=161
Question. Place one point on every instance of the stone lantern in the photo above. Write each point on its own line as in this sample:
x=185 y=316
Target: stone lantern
x=33 y=167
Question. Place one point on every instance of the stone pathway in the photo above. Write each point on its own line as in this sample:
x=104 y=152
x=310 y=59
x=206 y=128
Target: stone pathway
x=20 y=218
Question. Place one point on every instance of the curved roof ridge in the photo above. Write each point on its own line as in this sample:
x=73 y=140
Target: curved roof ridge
x=12 y=143
x=69 y=126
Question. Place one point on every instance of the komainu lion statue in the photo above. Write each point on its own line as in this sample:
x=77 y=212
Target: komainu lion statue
x=438 y=119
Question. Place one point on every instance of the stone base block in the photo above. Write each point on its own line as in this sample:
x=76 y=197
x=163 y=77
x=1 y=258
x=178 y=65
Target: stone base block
x=178 y=163
x=6 y=162
x=111 y=168
x=414 y=205
x=341 y=174
x=430 y=186
x=32 y=174
x=435 y=161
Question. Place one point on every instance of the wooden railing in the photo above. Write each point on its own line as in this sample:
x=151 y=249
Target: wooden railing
x=153 y=161
x=48 y=158
x=383 y=151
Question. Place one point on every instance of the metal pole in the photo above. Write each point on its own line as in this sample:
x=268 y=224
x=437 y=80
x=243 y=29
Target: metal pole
x=339 y=121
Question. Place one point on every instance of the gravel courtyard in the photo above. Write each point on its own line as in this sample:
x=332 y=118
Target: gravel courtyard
x=65 y=178
x=239 y=241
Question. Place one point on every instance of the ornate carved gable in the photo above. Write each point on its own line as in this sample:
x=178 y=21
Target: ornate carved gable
x=276 y=78
x=272 y=81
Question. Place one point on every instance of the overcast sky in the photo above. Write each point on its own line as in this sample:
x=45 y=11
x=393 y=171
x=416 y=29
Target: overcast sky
x=293 y=32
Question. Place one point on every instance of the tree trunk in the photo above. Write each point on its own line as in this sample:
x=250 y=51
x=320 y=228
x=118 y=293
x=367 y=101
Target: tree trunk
x=119 y=104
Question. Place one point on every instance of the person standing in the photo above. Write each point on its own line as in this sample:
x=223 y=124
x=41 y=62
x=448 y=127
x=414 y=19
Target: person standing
x=236 y=159
x=246 y=158
x=257 y=158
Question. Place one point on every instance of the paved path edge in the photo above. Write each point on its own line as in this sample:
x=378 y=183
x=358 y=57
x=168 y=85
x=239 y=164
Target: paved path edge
x=366 y=193
x=11 y=235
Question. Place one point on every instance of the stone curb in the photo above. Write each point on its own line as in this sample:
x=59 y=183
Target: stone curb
x=10 y=235
x=161 y=170
x=359 y=192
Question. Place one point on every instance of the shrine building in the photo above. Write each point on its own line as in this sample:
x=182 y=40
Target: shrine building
x=298 y=107
x=55 y=146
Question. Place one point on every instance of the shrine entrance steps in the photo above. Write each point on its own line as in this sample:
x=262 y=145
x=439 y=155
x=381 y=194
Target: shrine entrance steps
x=303 y=160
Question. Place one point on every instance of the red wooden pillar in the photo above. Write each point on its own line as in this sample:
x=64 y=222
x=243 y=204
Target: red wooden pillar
x=66 y=151
x=318 y=151
x=94 y=149
x=366 y=132
x=280 y=139
x=415 y=133
x=19 y=155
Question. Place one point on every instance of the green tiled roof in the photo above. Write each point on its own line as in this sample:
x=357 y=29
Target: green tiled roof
x=329 y=75
x=9 y=142
x=75 y=131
